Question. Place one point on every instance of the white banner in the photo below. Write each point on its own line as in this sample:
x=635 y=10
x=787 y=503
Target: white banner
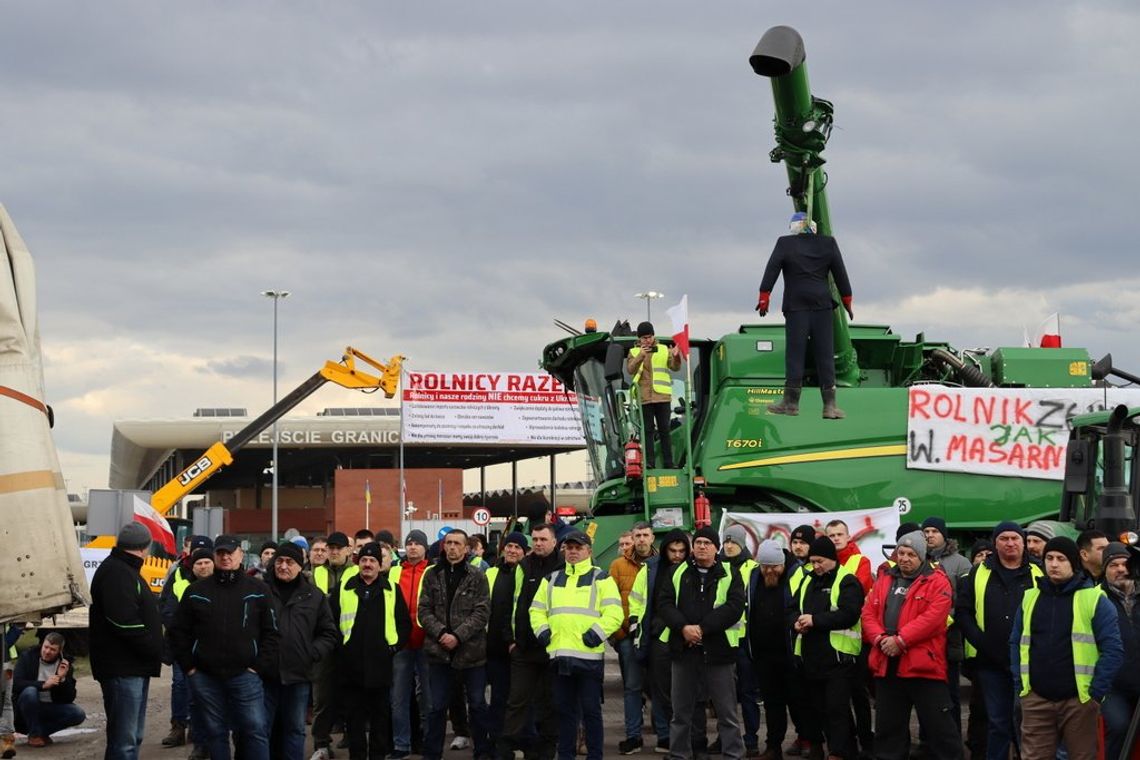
x=1012 y=432
x=528 y=408
x=870 y=529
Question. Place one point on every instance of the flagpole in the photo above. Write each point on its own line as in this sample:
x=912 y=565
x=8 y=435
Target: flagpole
x=367 y=504
x=403 y=385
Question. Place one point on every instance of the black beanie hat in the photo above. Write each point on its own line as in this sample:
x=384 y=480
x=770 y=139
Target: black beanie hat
x=1068 y=547
x=202 y=554
x=823 y=547
x=290 y=550
x=906 y=527
x=935 y=522
x=267 y=545
x=708 y=532
x=645 y=328
x=1006 y=526
x=372 y=549
x=981 y=545
x=805 y=533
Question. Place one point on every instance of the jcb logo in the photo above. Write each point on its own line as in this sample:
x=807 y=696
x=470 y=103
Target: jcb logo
x=194 y=470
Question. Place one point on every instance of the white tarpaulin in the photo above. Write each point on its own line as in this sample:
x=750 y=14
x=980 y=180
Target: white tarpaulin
x=39 y=565
x=870 y=529
x=489 y=408
x=1014 y=432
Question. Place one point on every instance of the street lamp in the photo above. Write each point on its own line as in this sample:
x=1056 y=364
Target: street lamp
x=276 y=295
x=649 y=296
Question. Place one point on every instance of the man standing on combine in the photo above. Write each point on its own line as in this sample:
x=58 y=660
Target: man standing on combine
x=649 y=366
x=806 y=259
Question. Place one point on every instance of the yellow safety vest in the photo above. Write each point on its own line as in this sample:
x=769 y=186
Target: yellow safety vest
x=574 y=600
x=845 y=641
x=662 y=382
x=350 y=602
x=736 y=630
x=852 y=565
x=638 y=595
x=799 y=575
x=746 y=569
x=321 y=576
x=180 y=584
x=981 y=580
x=1085 y=653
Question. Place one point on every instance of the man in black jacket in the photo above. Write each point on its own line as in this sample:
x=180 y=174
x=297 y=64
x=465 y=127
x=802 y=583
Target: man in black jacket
x=806 y=260
x=1123 y=591
x=225 y=637
x=306 y=635
x=375 y=625
x=651 y=650
x=988 y=600
x=530 y=665
x=502 y=579
x=828 y=642
x=702 y=609
x=126 y=640
x=43 y=689
x=769 y=645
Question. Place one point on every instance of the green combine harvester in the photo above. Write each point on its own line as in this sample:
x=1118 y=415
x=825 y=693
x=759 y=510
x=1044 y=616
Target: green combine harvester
x=734 y=456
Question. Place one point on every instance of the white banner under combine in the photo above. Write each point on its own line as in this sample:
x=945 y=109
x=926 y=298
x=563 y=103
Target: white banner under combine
x=1012 y=432
x=528 y=408
x=870 y=529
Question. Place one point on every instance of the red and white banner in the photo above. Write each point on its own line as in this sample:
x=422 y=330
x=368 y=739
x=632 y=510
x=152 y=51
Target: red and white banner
x=1015 y=432
x=679 y=316
x=530 y=408
x=159 y=528
x=870 y=529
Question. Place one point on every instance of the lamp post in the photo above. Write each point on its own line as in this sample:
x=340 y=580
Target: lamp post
x=276 y=295
x=649 y=296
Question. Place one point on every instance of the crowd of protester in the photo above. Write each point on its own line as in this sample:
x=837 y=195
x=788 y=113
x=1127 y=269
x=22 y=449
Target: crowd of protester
x=387 y=643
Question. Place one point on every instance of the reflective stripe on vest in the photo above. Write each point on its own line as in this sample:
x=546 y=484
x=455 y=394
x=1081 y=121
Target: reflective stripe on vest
x=846 y=641
x=981 y=580
x=1085 y=653
x=662 y=382
x=736 y=630
x=349 y=602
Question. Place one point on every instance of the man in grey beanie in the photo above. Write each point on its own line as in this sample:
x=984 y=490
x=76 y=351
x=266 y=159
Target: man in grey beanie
x=126 y=639
x=904 y=621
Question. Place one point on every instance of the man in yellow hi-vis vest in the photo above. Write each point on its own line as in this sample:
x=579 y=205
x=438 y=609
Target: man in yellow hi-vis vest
x=827 y=645
x=702 y=608
x=375 y=625
x=573 y=612
x=649 y=365
x=988 y=599
x=1065 y=651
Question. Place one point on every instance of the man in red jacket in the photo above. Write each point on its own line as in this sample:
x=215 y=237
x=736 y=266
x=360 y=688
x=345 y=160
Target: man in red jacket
x=904 y=621
x=409 y=664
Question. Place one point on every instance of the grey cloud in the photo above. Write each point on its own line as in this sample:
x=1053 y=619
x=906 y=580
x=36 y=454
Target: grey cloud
x=244 y=367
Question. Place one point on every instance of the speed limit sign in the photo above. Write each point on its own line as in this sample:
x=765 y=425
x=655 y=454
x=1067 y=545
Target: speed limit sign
x=481 y=516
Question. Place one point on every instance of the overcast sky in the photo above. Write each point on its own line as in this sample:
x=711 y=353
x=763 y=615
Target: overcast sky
x=443 y=179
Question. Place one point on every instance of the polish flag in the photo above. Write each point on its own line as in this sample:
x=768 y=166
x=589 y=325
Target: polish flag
x=1049 y=332
x=679 y=315
x=159 y=528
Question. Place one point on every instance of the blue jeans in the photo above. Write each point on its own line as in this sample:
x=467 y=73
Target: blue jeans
x=631 y=678
x=997 y=690
x=124 y=701
x=499 y=679
x=1117 y=713
x=285 y=707
x=474 y=682
x=179 y=695
x=748 y=695
x=578 y=696
x=239 y=702
x=407 y=666
x=45 y=718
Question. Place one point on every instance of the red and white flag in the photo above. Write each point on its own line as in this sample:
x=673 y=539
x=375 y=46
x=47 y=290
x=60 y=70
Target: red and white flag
x=159 y=528
x=1049 y=332
x=679 y=315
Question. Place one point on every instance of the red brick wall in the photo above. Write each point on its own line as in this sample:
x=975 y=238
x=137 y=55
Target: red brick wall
x=423 y=488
